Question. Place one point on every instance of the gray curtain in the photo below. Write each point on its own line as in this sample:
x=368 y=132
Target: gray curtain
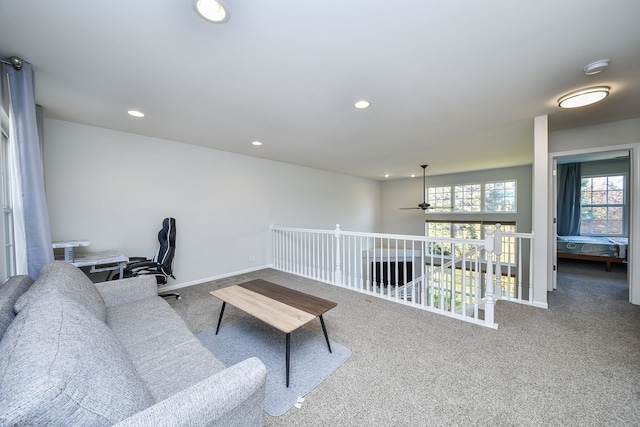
x=24 y=131
x=569 y=199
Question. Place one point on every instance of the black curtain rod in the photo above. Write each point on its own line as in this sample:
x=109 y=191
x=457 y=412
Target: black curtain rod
x=14 y=61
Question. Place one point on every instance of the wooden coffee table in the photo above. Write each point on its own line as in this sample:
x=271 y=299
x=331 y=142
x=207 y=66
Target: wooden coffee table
x=283 y=308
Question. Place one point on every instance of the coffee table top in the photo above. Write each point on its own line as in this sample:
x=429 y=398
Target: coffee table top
x=283 y=308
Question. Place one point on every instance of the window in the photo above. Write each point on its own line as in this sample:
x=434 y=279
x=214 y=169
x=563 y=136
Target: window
x=9 y=267
x=473 y=230
x=439 y=198
x=467 y=198
x=603 y=205
x=494 y=197
x=8 y=264
x=500 y=196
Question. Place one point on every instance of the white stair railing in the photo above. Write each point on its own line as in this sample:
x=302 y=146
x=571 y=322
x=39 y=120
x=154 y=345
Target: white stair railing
x=446 y=276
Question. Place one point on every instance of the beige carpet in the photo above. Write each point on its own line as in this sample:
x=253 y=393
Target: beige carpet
x=577 y=363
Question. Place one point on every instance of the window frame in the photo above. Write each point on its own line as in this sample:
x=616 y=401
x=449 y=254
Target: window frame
x=7 y=235
x=623 y=206
x=437 y=205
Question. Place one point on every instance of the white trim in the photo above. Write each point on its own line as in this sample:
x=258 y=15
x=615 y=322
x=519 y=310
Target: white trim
x=633 y=272
x=210 y=279
x=542 y=261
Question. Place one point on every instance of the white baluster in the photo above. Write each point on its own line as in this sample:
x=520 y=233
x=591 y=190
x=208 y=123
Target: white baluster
x=497 y=237
x=475 y=286
x=395 y=269
x=489 y=244
x=519 y=268
x=337 y=279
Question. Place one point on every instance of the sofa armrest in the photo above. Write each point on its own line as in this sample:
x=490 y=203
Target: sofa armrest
x=115 y=292
x=233 y=397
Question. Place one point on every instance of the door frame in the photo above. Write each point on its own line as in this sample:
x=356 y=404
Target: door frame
x=633 y=250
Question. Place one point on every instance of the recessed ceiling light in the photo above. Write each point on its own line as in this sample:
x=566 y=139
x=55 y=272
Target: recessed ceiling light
x=386 y=175
x=135 y=113
x=212 y=10
x=596 y=67
x=362 y=104
x=256 y=143
x=583 y=97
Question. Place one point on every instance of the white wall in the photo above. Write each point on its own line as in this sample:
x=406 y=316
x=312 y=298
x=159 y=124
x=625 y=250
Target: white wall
x=608 y=134
x=115 y=188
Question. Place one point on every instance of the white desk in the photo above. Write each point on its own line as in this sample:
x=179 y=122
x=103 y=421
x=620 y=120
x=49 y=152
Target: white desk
x=69 y=246
x=98 y=261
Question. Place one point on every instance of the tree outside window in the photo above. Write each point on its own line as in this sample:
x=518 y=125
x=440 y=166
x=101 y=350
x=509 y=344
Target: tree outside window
x=500 y=196
x=467 y=198
x=439 y=198
x=603 y=202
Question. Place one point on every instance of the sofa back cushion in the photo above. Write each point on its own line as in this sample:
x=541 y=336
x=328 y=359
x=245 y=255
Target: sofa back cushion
x=71 y=282
x=10 y=291
x=59 y=365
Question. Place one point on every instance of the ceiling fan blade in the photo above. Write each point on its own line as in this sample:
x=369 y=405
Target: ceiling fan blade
x=408 y=208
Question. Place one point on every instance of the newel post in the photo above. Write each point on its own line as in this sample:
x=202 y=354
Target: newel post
x=337 y=275
x=489 y=246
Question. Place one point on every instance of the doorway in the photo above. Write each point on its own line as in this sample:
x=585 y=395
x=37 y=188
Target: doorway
x=598 y=163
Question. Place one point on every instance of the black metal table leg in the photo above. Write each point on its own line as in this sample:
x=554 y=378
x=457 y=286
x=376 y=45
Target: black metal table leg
x=288 y=356
x=324 y=329
x=220 y=318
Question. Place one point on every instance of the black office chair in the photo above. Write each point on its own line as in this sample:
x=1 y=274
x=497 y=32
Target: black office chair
x=161 y=265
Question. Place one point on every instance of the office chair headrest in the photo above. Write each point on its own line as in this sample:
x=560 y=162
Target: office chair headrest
x=167 y=239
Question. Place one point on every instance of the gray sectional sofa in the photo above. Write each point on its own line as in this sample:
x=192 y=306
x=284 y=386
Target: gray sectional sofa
x=84 y=354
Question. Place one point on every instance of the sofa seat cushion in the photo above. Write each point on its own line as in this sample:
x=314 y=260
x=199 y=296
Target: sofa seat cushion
x=71 y=282
x=10 y=291
x=59 y=365
x=167 y=356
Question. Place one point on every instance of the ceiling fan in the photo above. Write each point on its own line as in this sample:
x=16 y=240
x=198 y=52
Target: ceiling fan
x=424 y=205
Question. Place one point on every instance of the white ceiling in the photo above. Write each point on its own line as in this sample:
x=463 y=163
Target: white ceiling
x=453 y=84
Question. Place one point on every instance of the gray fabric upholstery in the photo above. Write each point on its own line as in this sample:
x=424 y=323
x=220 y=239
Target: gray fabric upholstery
x=69 y=281
x=10 y=291
x=168 y=359
x=233 y=397
x=90 y=355
x=59 y=365
x=124 y=291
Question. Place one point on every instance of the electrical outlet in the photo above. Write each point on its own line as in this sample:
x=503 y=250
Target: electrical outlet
x=252 y=258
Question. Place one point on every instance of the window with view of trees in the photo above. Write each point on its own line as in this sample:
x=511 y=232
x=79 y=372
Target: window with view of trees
x=439 y=198
x=467 y=198
x=602 y=205
x=499 y=197
x=471 y=230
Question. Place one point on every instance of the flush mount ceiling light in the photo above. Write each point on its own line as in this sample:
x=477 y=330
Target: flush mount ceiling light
x=135 y=113
x=362 y=104
x=583 y=97
x=596 y=67
x=212 y=10
x=256 y=143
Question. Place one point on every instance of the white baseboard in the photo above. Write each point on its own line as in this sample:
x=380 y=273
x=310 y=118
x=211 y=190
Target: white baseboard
x=209 y=279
